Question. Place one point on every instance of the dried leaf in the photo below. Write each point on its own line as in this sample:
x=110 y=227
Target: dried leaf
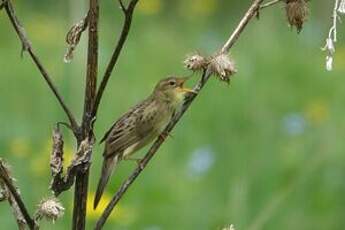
x=56 y=157
x=73 y=38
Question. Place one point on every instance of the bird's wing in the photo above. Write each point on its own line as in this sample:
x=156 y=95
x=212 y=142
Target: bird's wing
x=124 y=132
x=123 y=120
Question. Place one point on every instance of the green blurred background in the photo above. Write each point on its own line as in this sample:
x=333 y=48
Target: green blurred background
x=265 y=153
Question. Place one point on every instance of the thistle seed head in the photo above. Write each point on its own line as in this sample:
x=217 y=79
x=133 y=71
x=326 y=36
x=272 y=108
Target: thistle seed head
x=297 y=12
x=223 y=67
x=195 y=62
x=50 y=208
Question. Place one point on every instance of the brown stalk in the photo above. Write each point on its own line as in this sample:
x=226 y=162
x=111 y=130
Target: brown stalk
x=15 y=200
x=82 y=177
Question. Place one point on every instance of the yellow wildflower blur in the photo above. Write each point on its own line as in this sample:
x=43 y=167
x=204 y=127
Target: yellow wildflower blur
x=46 y=31
x=340 y=58
x=149 y=6
x=121 y=214
x=19 y=147
x=68 y=153
x=40 y=162
x=197 y=8
x=317 y=112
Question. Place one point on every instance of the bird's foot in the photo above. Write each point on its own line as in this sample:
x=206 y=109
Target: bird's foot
x=165 y=135
x=137 y=160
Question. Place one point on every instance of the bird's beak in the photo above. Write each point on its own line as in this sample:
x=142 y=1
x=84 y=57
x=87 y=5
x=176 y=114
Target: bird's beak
x=183 y=89
x=187 y=90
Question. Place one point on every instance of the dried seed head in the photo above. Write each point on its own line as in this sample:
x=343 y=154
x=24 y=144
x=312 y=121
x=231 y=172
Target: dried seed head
x=195 y=62
x=223 y=67
x=297 y=12
x=50 y=208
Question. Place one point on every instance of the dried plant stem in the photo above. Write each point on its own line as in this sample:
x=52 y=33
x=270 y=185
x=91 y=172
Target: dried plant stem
x=15 y=199
x=26 y=46
x=82 y=177
x=334 y=25
x=156 y=145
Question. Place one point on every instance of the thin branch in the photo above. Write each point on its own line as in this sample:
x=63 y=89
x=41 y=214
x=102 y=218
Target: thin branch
x=122 y=6
x=82 y=177
x=122 y=39
x=26 y=46
x=271 y=3
x=332 y=38
x=156 y=145
x=245 y=20
x=14 y=198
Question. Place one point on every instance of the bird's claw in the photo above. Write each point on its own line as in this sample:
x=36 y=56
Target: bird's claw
x=165 y=135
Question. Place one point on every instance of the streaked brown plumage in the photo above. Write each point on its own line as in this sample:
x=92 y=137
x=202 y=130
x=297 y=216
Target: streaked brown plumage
x=139 y=126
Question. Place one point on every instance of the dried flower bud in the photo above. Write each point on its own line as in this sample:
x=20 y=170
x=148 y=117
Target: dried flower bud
x=222 y=66
x=5 y=166
x=341 y=8
x=50 y=208
x=73 y=38
x=195 y=62
x=56 y=157
x=3 y=189
x=5 y=172
x=297 y=12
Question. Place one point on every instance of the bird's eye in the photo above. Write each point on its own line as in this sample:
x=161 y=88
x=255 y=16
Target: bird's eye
x=172 y=83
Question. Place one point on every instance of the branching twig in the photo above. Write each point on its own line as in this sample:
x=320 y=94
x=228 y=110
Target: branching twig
x=21 y=213
x=26 y=46
x=332 y=38
x=154 y=148
x=273 y=2
x=128 y=11
x=122 y=6
x=82 y=177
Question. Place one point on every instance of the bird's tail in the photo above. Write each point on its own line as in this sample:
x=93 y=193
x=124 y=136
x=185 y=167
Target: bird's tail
x=109 y=164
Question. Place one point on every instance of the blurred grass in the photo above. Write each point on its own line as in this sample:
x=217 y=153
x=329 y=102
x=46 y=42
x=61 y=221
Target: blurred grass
x=273 y=140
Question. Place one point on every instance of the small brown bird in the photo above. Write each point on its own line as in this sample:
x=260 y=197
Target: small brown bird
x=140 y=126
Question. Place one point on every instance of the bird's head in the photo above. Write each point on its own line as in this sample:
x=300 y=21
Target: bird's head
x=172 y=89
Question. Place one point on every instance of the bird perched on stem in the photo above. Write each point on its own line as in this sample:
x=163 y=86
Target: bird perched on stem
x=140 y=126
